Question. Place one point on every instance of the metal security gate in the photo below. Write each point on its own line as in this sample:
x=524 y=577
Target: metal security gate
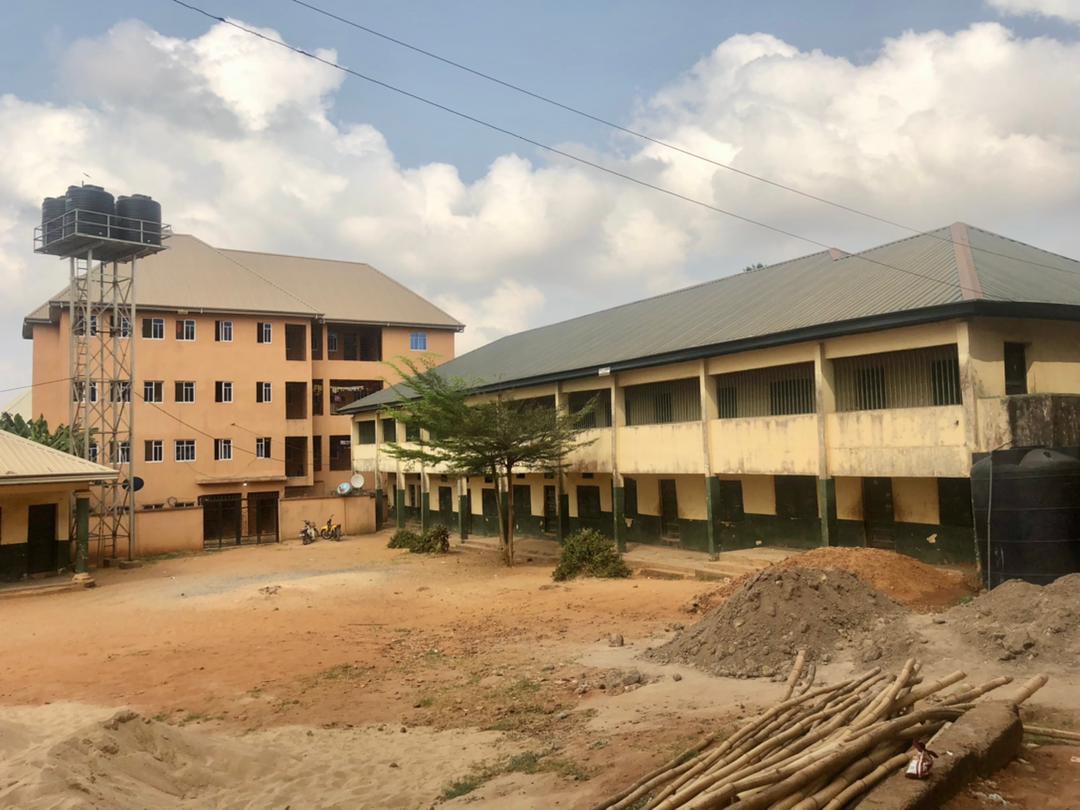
x=231 y=520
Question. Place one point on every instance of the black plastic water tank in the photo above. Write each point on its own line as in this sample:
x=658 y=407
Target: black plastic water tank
x=52 y=222
x=1027 y=502
x=96 y=207
x=140 y=218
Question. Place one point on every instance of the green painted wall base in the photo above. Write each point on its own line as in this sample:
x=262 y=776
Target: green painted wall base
x=399 y=508
x=938 y=545
x=712 y=518
x=380 y=505
x=425 y=512
x=618 y=528
x=82 y=535
x=564 y=517
x=463 y=516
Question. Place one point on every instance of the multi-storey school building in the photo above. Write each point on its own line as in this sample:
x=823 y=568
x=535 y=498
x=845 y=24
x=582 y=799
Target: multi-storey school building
x=244 y=362
x=832 y=399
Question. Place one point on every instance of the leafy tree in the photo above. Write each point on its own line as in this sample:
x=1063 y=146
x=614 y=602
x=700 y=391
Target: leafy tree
x=37 y=430
x=477 y=435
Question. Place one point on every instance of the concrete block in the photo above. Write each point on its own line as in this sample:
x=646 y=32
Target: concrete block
x=981 y=742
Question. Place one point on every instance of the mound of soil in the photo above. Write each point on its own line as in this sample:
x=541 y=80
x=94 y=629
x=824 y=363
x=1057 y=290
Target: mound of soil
x=1018 y=620
x=759 y=628
x=903 y=579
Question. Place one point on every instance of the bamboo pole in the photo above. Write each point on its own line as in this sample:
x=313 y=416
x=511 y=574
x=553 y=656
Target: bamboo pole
x=796 y=671
x=1052 y=733
x=1032 y=686
x=860 y=786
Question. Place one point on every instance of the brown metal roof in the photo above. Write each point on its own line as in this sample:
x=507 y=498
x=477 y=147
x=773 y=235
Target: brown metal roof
x=194 y=276
x=25 y=462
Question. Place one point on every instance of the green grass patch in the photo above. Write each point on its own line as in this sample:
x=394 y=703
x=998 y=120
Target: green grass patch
x=526 y=762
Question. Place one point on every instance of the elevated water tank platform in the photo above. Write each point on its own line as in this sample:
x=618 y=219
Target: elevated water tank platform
x=111 y=237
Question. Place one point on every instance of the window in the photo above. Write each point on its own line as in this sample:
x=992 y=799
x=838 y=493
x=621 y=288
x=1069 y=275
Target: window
x=727 y=399
x=121 y=452
x=153 y=451
x=1015 y=369
x=365 y=432
x=588 y=502
x=412 y=433
x=418 y=342
x=663 y=402
x=870 y=389
x=93 y=454
x=331 y=342
x=265 y=333
x=295 y=456
x=124 y=330
x=78 y=389
x=222 y=449
x=295 y=341
x=185 y=450
x=316 y=341
x=262 y=447
x=152 y=391
x=796 y=496
x=600 y=415
x=316 y=453
x=223 y=331
x=153 y=328
x=296 y=400
x=80 y=324
x=317 y=397
x=185 y=329
x=222 y=391
x=339 y=453
x=912 y=378
x=389 y=430
x=263 y=392
x=119 y=391
x=185 y=391
x=954 y=502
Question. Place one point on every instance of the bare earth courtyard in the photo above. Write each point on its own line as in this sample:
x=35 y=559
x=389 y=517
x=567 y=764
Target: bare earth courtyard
x=351 y=675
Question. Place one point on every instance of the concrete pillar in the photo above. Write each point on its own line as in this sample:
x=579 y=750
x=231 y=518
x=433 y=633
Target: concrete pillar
x=463 y=507
x=425 y=501
x=709 y=410
x=82 y=538
x=380 y=495
x=562 y=498
x=825 y=404
x=618 y=494
x=968 y=390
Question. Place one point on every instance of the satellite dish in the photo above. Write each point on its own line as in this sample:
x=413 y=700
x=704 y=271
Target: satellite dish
x=134 y=484
x=357 y=481
x=344 y=488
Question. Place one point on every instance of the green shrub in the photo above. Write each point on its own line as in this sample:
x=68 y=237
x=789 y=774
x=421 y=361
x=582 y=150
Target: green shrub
x=403 y=538
x=588 y=553
x=435 y=540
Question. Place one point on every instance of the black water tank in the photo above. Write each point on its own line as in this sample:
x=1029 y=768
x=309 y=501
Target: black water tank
x=140 y=218
x=1033 y=497
x=52 y=219
x=96 y=207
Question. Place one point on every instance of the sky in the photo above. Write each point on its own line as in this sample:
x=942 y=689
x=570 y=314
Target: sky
x=922 y=112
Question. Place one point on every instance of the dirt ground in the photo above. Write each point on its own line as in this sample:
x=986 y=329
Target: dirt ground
x=351 y=675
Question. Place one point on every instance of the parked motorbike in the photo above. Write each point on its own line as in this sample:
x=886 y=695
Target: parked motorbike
x=309 y=534
x=331 y=531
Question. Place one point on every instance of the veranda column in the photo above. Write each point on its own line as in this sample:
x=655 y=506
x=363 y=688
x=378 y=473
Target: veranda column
x=82 y=538
x=562 y=497
x=709 y=410
x=380 y=494
x=824 y=404
x=618 y=486
x=463 y=507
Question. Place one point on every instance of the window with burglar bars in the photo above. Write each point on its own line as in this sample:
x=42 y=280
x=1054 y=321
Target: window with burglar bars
x=663 y=402
x=776 y=391
x=600 y=416
x=915 y=378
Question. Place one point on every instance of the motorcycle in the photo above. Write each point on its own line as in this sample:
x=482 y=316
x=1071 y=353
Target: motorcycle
x=331 y=531
x=309 y=534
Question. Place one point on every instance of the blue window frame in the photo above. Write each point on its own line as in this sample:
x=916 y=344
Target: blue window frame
x=418 y=341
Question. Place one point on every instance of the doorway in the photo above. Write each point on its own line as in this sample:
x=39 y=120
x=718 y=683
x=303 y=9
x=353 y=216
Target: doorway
x=669 y=509
x=878 y=512
x=551 y=510
x=41 y=538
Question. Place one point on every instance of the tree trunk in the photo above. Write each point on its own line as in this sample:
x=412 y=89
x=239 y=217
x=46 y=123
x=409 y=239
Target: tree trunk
x=508 y=527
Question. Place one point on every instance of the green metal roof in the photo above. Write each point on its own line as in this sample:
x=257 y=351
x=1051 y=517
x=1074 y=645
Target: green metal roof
x=926 y=277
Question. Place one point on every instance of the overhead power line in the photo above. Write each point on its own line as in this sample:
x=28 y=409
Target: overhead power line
x=568 y=155
x=562 y=105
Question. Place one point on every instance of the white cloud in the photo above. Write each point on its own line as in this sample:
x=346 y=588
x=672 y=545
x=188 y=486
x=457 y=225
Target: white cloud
x=1065 y=9
x=234 y=136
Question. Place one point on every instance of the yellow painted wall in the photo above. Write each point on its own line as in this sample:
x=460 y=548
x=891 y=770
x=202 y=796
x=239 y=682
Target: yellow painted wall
x=775 y=444
x=169 y=530
x=849 y=505
x=761 y=358
x=898 y=442
x=16 y=500
x=759 y=493
x=356 y=514
x=672 y=371
x=593 y=453
x=915 y=500
x=891 y=340
x=603 y=482
x=1053 y=354
x=675 y=448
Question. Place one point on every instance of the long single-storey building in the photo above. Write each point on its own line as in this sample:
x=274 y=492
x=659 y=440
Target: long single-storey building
x=834 y=399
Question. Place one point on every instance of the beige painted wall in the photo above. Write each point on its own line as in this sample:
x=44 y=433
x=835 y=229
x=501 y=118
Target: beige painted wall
x=356 y=514
x=915 y=500
x=169 y=530
x=898 y=442
x=16 y=500
x=594 y=452
x=1053 y=354
x=759 y=493
x=849 y=498
x=675 y=448
x=890 y=340
x=786 y=445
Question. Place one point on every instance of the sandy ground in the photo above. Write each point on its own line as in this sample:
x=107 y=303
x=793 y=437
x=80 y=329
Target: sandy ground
x=350 y=675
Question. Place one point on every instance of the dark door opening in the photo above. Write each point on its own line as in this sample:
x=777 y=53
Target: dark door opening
x=446 y=503
x=669 y=508
x=551 y=510
x=41 y=538
x=263 y=516
x=222 y=519
x=878 y=512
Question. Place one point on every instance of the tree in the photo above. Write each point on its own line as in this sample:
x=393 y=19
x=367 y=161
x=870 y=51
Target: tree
x=471 y=435
x=37 y=430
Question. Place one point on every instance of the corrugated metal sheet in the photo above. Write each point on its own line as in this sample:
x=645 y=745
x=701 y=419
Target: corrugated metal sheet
x=917 y=273
x=193 y=275
x=23 y=459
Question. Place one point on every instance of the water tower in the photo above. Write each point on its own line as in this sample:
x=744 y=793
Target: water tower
x=102 y=238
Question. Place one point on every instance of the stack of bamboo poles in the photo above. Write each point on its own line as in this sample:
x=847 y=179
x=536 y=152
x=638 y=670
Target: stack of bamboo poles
x=818 y=748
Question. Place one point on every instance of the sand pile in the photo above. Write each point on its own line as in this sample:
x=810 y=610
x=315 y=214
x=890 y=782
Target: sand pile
x=759 y=628
x=902 y=578
x=1018 y=620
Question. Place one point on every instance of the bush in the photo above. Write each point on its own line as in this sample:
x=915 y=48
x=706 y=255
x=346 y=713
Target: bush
x=403 y=538
x=588 y=553
x=435 y=540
